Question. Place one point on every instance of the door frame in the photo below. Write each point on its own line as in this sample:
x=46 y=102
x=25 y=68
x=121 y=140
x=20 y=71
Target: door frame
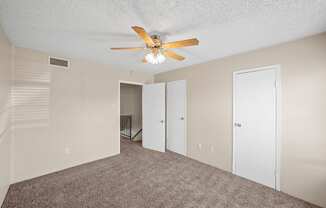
x=119 y=83
x=278 y=120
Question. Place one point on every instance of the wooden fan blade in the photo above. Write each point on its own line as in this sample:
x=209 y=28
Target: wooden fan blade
x=144 y=61
x=173 y=55
x=128 y=49
x=181 y=43
x=143 y=35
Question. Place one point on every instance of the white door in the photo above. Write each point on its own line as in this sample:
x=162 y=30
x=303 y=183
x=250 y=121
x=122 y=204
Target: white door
x=255 y=126
x=154 y=117
x=176 y=116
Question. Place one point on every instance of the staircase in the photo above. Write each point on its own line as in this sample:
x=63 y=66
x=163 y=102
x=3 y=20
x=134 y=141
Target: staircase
x=127 y=130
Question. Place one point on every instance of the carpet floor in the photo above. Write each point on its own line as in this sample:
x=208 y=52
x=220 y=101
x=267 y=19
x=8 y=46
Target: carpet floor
x=140 y=178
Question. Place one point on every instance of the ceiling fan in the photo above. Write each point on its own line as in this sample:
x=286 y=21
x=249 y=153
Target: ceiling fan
x=159 y=50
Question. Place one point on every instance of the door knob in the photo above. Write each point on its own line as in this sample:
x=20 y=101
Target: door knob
x=162 y=121
x=182 y=118
x=237 y=124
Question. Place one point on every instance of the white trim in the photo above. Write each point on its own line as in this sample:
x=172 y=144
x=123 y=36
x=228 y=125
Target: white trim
x=12 y=111
x=186 y=120
x=241 y=71
x=124 y=82
x=233 y=120
x=278 y=126
x=131 y=83
x=278 y=119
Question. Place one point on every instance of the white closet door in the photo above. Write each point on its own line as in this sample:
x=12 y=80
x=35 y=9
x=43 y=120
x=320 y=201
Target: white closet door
x=176 y=116
x=154 y=117
x=255 y=126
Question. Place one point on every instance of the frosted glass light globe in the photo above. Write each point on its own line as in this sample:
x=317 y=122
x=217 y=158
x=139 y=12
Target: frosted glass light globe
x=158 y=59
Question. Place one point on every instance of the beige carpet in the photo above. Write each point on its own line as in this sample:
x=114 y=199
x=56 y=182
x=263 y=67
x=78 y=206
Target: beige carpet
x=139 y=178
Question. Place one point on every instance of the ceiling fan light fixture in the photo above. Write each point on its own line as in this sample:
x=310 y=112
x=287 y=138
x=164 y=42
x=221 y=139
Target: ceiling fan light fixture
x=159 y=51
x=155 y=59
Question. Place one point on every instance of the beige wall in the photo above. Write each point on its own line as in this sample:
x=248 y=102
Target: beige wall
x=303 y=62
x=67 y=117
x=5 y=108
x=64 y=117
x=131 y=104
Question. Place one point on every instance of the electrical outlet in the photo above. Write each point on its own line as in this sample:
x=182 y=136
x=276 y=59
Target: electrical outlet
x=199 y=146
x=67 y=151
x=212 y=148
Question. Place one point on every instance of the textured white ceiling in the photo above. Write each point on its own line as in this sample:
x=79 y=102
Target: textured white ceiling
x=87 y=28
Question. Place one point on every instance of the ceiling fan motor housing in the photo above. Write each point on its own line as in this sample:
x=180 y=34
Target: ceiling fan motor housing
x=157 y=41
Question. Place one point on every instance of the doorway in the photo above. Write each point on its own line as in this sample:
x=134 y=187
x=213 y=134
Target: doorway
x=256 y=107
x=131 y=111
x=144 y=110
